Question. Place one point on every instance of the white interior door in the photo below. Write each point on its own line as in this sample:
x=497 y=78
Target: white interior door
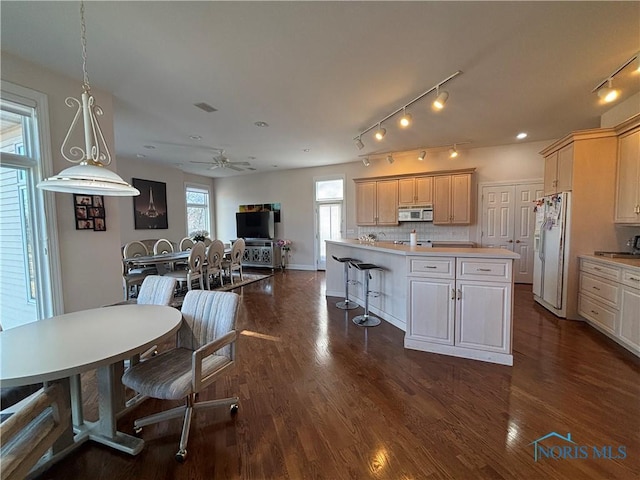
x=508 y=221
x=329 y=197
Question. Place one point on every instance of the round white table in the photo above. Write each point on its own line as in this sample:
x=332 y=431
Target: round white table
x=64 y=346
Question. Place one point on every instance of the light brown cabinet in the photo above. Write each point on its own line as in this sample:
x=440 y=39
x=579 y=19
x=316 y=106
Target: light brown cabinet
x=627 y=210
x=377 y=202
x=415 y=190
x=558 y=171
x=452 y=199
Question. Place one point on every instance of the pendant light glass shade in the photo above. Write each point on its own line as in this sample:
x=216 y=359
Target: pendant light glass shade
x=89 y=180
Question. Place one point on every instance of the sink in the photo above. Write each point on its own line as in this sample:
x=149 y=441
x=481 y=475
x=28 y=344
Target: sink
x=617 y=254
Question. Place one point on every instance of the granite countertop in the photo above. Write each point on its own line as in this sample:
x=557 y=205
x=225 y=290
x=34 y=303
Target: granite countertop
x=390 y=247
x=625 y=262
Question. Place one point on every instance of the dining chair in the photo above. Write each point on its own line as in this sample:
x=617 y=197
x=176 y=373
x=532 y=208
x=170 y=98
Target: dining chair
x=131 y=278
x=135 y=249
x=205 y=349
x=195 y=267
x=186 y=243
x=32 y=430
x=162 y=246
x=234 y=262
x=215 y=254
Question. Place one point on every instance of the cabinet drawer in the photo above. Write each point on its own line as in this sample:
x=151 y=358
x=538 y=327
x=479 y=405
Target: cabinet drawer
x=484 y=269
x=601 y=289
x=439 y=267
x=600 y=269
x=596 y=312
x=631 y=278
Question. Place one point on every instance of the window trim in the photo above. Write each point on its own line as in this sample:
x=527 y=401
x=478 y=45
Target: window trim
x=198 y=186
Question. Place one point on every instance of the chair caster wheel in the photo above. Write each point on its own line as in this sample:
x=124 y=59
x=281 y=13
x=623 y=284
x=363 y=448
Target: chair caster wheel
x=181 y=455
x=234 y=409
x=137 y=430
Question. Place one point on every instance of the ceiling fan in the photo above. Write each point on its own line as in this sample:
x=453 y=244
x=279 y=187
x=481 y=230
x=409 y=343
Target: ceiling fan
x=221 y=161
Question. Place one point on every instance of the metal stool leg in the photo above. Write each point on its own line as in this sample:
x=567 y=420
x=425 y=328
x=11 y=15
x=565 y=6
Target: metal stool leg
x=346 y=304
x=366 y=320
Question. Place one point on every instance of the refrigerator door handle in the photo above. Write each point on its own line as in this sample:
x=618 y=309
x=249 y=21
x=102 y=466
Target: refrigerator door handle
x=541 y=246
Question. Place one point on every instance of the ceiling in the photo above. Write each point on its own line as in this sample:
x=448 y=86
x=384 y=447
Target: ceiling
x=319 y=73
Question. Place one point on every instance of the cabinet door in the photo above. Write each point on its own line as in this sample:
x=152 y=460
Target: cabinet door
x=461 y=199
x=483 y=315
x=628 y=179
x=424 y=190
x=366 y=203
x=550 y=173
x=431 y=310
x=565 y=169
x=629 y=323
x=406 y=191
x=442 y=199
x=387 y=193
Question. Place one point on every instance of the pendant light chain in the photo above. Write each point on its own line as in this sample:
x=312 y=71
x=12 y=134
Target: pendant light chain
x=83 y=36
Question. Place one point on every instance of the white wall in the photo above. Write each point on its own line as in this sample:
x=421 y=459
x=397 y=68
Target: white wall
x=90 y=261
x=294 y=189
x=621 y=112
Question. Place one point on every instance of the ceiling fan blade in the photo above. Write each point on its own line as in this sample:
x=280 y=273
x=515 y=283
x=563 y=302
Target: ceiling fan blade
x=206 y=163
x=234 y=168
x=213 y=167
x=246 y=164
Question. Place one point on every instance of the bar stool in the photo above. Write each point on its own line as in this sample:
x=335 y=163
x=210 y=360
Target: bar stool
x=367 y=320
x=346 y=304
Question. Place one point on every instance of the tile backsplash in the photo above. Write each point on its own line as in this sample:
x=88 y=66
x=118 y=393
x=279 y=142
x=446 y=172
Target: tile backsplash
x=425 y=231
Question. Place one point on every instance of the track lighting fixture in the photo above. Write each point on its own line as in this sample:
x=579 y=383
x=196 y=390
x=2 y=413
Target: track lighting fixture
x=366 y=162
x=608 y=94
x=390 y=159
x=453 y=152
x=441 y=98
x=422 y=155
x=605 y=89
x=406 y=119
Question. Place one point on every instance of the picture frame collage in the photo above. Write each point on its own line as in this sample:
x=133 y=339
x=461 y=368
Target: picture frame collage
x=89 y=212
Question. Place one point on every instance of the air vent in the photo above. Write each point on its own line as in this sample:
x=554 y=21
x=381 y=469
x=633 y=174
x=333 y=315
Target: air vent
x=206 y=107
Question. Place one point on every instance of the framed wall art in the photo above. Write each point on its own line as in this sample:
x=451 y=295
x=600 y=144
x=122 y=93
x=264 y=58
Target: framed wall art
x=150 y=207
x=89 y=210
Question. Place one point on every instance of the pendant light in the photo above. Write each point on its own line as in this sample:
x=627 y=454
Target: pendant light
x=89 y=176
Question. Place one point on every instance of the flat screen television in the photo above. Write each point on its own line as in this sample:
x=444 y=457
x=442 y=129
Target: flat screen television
x=255 y=225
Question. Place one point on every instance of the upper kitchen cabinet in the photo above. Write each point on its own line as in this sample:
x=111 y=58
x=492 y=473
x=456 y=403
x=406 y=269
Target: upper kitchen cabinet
x=376 y=202
x=558 y=170
x=452 y=199
x=415 y=190
x=627 y=209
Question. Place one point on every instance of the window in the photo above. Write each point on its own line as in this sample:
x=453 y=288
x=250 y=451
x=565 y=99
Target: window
x=329 y=210
x=198 y=209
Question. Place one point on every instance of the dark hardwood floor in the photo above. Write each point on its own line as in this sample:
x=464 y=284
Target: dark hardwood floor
x=323 y=398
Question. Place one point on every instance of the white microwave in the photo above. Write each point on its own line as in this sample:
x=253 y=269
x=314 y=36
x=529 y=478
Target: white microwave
x=416 y=213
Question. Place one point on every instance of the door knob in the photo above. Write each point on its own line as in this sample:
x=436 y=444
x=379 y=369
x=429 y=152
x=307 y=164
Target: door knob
x=517 y=241
x=510 y=241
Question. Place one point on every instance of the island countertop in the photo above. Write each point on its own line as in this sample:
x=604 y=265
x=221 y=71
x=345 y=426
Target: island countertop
x=390 y=247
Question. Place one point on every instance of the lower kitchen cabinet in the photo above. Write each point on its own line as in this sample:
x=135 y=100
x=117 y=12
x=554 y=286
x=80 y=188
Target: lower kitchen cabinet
x=461 y=307
x=609 y=299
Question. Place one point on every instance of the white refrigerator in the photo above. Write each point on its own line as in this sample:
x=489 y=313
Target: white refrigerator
x=551 y=258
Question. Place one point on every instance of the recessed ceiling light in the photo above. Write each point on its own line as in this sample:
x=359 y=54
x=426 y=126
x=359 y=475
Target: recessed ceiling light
x=306 y=150
x=149 y=147
x=195 y=137
x=521 y=135
x=141 y=155
x=274 y=166
x=261 y=124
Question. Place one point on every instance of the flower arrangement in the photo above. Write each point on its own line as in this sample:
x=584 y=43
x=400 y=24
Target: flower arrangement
x=284 y=244
x=199 y=235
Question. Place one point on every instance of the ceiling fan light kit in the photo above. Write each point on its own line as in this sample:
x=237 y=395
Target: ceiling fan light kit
x=406 y=120
x=221 y=161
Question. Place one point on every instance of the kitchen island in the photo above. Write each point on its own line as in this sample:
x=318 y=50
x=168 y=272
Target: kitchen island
x=453 y=301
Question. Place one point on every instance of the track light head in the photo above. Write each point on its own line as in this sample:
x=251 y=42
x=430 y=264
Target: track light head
x=453 y=152
x=359 y=143
x=390 y=159
x=422 y=155
x=441 y=99
x=366 y=162
x=608 y=94
x=380 y=133
x=405 y=120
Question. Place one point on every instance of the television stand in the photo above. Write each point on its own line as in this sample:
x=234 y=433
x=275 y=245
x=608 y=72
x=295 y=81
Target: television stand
x=261 y=253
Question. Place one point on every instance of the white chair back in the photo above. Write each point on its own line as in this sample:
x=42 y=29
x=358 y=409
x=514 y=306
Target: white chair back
x=197 y=257
x=157 y=290
x=186 y=244
x=134 y=249
x=162 y=246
